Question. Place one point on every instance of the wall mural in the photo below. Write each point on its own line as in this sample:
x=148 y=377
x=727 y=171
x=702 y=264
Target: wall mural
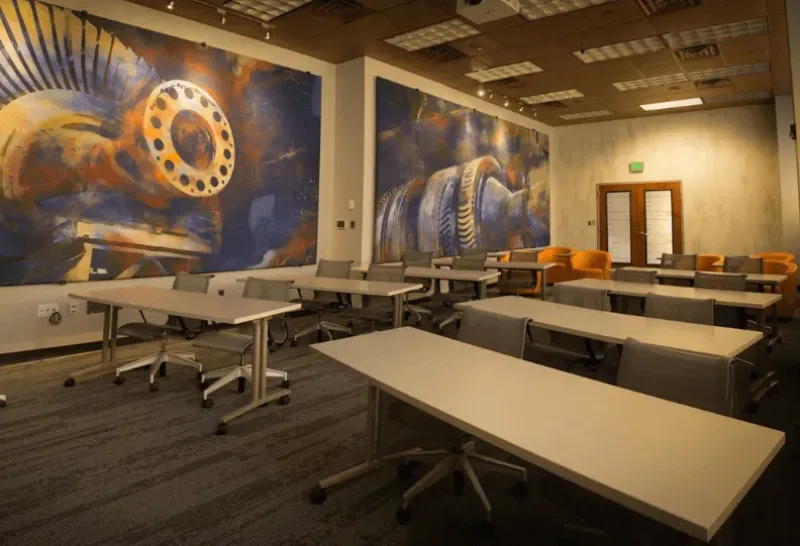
x=450 y=178
x=127 y=153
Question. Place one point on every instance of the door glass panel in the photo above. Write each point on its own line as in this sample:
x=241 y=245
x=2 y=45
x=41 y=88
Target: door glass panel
x=658 y=224
x=618 y=209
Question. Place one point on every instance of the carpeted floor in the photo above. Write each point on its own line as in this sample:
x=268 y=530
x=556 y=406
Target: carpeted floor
x=99 y=464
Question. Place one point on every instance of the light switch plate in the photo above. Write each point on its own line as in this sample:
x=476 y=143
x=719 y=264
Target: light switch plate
x=351 y=204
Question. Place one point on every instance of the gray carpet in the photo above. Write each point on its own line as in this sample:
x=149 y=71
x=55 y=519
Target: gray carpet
x=100 y=464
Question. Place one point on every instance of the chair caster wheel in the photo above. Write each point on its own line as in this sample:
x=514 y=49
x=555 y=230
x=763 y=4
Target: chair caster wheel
x=293 y=343
x=285 y=384
x=418 y=323
x=207 y=403
x=486 y=528
x=520 y=490
x=153 y=387
x=458 y=483
x=403 y=516
x=2 y=403
x=753 y=375
x=119 y=380
x=199 y=376
x=162 y=370
x=317 y=495
x=203 y=385
x=751 y=407
x=222 y=429
x=404 y=470
x=283 y=400
x=69 y=382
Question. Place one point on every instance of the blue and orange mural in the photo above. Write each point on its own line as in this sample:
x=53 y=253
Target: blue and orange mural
x=128 y=153
x=449 y=178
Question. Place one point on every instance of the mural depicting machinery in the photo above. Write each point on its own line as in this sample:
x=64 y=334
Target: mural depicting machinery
x=450 y=179
x=110 y=170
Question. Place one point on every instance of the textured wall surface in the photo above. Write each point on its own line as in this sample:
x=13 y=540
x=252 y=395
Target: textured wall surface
x=727 y=160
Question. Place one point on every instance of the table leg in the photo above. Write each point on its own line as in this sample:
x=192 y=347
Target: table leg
x=112 y=334
x=397 y=311
x=482 y=290
x=259 y=378
x=761 y=319
x=544 y=285
x=103 y=365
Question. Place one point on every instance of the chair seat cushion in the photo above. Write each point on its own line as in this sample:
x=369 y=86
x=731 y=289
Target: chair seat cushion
x=588 y=273
x=144 y=331
x=230 y=342
x=423 y=424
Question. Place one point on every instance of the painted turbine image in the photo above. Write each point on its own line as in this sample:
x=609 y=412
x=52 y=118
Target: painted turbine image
x=112 y=170
x=449 y=178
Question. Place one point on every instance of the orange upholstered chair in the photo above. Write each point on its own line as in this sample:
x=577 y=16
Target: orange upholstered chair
x=787 y=288
x=563 y=270
x=591 y=264
x=775 y=256
x=706 y=262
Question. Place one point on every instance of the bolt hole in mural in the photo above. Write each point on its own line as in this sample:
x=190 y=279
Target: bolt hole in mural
x=128 y=153
x=449 y=178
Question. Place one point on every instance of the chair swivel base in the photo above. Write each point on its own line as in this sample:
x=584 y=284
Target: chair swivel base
x=154 y=362
x=324 y=327
x=241 y=374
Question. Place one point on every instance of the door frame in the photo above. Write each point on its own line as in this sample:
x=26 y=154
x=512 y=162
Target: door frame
x=638 y=211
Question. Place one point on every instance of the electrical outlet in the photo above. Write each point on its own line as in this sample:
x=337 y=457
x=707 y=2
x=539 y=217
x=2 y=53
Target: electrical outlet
x=46 y=309
x=74 y=307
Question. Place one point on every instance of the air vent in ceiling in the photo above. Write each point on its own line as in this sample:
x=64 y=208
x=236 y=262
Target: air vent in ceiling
x=555 y=104
x=441 y=53
x=712 y=83
x=344 y=11
x=658 y=7
x=511 y=83
x=697 y=52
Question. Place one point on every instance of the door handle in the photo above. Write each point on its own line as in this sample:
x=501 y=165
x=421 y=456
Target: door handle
x=642 y=233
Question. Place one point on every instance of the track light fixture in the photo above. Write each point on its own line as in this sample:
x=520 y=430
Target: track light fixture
x=481 y=91
x=171 y=5
x=221 y=12
x=267 y=28
x=521 y=108
x=506 y=102
x=491 y=95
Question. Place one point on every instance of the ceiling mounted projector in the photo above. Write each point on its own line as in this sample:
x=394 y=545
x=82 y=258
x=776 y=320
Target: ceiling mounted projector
x=485 y=11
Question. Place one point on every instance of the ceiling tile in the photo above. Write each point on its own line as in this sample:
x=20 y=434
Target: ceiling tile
x=416 y=14
x=597 y=37
x=781 y=82
x=710 y=14
x=656 y=64
x=614 y=13
x=381 y=5
x=480 y=44
x=502 y=57
x=753 y=82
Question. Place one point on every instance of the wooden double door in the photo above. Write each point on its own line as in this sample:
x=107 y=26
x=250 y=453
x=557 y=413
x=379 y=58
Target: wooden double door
x=639 y=222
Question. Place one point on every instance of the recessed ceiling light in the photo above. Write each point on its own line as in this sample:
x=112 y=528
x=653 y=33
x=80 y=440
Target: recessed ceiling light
x=728 y=71
x=671 y=104
x=557 y=95
x=171 y=5
x=584 y=115
x=481 y=91
x=440 y=33
x=539 y=9
x=620 y=50
x=650 y=82
x=756 y=95
x=503 y=72
x=265 y=10
x=715 y=34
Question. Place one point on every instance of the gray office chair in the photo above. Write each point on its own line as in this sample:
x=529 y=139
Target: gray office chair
x=473 y=254
x=472 y=260
x=376 y=310
x=419 y=258
x=516 y=280
x=325 y=301
x=489 y=331
x=679 y=309
x=730 y=316
x=175 y=327
x=241 y=342
x=679 y=261
x=742 y=264
x=578 y=296
x=631 y=305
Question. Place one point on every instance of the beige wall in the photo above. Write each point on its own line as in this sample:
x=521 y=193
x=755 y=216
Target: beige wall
x=727 y=160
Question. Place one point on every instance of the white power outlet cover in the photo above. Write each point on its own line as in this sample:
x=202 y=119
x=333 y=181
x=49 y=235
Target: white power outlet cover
x=73 y=307
x=46 y=309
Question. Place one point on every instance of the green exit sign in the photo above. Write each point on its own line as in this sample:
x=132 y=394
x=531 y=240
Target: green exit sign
x=637 y=167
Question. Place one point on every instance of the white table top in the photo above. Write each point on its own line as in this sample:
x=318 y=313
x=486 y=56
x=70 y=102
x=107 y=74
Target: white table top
x=616 y=327
x=188 y=304
x=749 y=300
x=439 y=274
x=681 y=466
x=753 y=278
x=346 y=286
x=495 y=264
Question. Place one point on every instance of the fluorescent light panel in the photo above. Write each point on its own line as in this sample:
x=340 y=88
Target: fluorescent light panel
x=502 y=72
x=671 y=104
x=266 y=10
x=550 y=97
x=715 y=34
x=440 y=33
x=621 y=50
x=728 y=71
x=756 y=95
x=585 y=115
x=539 y=9
x=650 y=82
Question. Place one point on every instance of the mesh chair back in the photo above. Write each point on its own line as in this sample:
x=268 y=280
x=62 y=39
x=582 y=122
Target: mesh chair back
x=266 y=289
x=494 y=332
x=473 y=253
x=382 y=273
x=578 y=296
x=334 y=269
x=743 y=264
x=679 y=261
x=521 y=256
x=187 y=282
x=679 y=309
x=418 y=258
x=634 y=275
x=721 y=281
x=700 y=381
x=473 y=262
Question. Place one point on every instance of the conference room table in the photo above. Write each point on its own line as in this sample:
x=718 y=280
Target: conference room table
x=393 y=290
x=757 y=279
x=670 y=462
x=191 y=305
x=479 y=278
